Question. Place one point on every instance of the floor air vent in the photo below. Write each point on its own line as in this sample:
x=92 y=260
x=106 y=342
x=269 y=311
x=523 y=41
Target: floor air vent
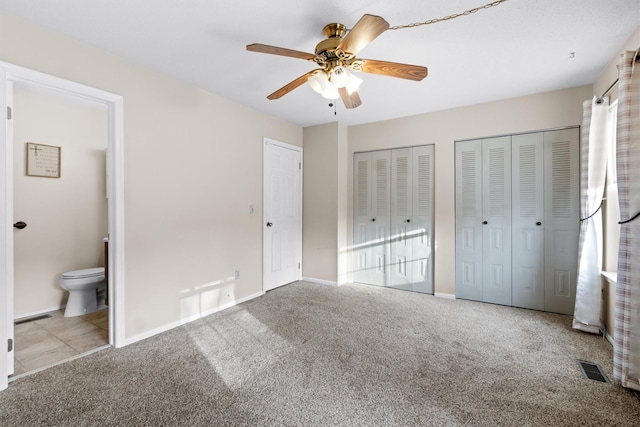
x=593 y=371
x=31 y=319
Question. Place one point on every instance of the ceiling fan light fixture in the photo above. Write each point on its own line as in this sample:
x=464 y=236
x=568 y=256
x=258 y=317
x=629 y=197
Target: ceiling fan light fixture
x=330 y=91
x=318 y=81
x=340 y=76
x=354 y=84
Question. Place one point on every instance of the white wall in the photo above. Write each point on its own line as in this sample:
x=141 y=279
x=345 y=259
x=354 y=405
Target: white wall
x=193 y=166
x=66 y=217
x=523 y=114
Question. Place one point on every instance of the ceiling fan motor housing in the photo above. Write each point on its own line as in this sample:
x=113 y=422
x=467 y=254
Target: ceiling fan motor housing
x=328 y=54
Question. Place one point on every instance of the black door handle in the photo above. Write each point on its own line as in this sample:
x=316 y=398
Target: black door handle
x=20 y=225
x=373 y=220
x=485 y=222
x=269 y=224
x=408 y=220
x=538 y=223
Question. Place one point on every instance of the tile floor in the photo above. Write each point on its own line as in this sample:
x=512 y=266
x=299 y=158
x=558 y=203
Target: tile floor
x=44 y=342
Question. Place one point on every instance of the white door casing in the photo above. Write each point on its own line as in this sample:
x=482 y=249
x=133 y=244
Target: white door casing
x=282 y=214
x=10 y=74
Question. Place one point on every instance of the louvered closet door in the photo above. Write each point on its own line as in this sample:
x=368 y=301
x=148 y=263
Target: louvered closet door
x=381 y=216
x=561 y=159
x=372 y=208
x=362 y=215
x=422 y=219
x=528 y=221
x=401 y=271
x=468 y=163
x=496 y=236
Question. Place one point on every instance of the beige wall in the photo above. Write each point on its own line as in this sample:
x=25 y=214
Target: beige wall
x=343 y=204
x=611 y=213
x=193 y=166
x=66 y=217
x=528 y=113
x=320 y=205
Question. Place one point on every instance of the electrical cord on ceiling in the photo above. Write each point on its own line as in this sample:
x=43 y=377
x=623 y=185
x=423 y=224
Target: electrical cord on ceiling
x=449 y=17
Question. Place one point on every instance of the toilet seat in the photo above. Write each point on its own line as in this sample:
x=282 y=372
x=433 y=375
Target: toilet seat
x=84 y=274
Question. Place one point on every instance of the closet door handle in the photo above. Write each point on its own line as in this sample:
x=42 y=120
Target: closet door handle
x=20 y=225
x=373 y=219
x=269 y=224
x=538 y=223
x=408 y=220
x=485 y=222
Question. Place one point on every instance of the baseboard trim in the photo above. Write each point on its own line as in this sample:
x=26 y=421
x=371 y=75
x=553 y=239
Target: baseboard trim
x=445 y=296
x=39 y=312
x=319 y=281
x=189 y=319
x=607 y=336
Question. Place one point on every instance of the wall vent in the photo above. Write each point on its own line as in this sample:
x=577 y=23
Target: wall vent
x=31 y=319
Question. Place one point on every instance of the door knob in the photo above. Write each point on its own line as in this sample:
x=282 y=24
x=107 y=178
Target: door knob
x=538 y=223
x=20 y=225
x=373 y=220
x=408 y=220
x=485 y=222
x=269 y=224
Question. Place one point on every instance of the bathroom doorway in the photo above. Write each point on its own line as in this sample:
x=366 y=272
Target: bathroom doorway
x=60 y=196
x=18 y=79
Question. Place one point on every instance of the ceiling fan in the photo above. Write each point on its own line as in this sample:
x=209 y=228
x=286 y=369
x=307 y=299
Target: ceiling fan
x=336 y=57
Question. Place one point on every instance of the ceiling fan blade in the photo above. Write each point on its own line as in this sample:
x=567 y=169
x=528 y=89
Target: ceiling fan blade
x=291 y=86
x=350 y=100
x=364 y=32
x=273 y=50
x=394 y=69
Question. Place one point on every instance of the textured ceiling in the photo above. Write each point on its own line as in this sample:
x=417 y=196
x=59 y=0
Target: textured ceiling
x=517 y=48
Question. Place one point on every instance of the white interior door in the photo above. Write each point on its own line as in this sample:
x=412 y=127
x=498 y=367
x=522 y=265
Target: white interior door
x=496 y=237
x=362 y=216
x=562 y=201
x=528 y=221
x=400 y=271
x=468 y=158
x=422 y=218
x=380 y=221
x=282 y=214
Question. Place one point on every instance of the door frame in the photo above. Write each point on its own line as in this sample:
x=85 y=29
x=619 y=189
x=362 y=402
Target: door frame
x=9 y=75
x=268 y=141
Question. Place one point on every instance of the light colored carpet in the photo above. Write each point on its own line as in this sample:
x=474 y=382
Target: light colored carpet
x=313 y=355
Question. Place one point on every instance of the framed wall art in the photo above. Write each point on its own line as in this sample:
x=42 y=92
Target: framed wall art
x=43 y=160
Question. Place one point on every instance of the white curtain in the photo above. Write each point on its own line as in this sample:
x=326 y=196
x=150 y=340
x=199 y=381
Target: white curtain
x=596 y=140
x=626 y=350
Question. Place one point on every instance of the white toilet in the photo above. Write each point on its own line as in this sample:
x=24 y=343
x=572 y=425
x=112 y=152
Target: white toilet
x=85 y=288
